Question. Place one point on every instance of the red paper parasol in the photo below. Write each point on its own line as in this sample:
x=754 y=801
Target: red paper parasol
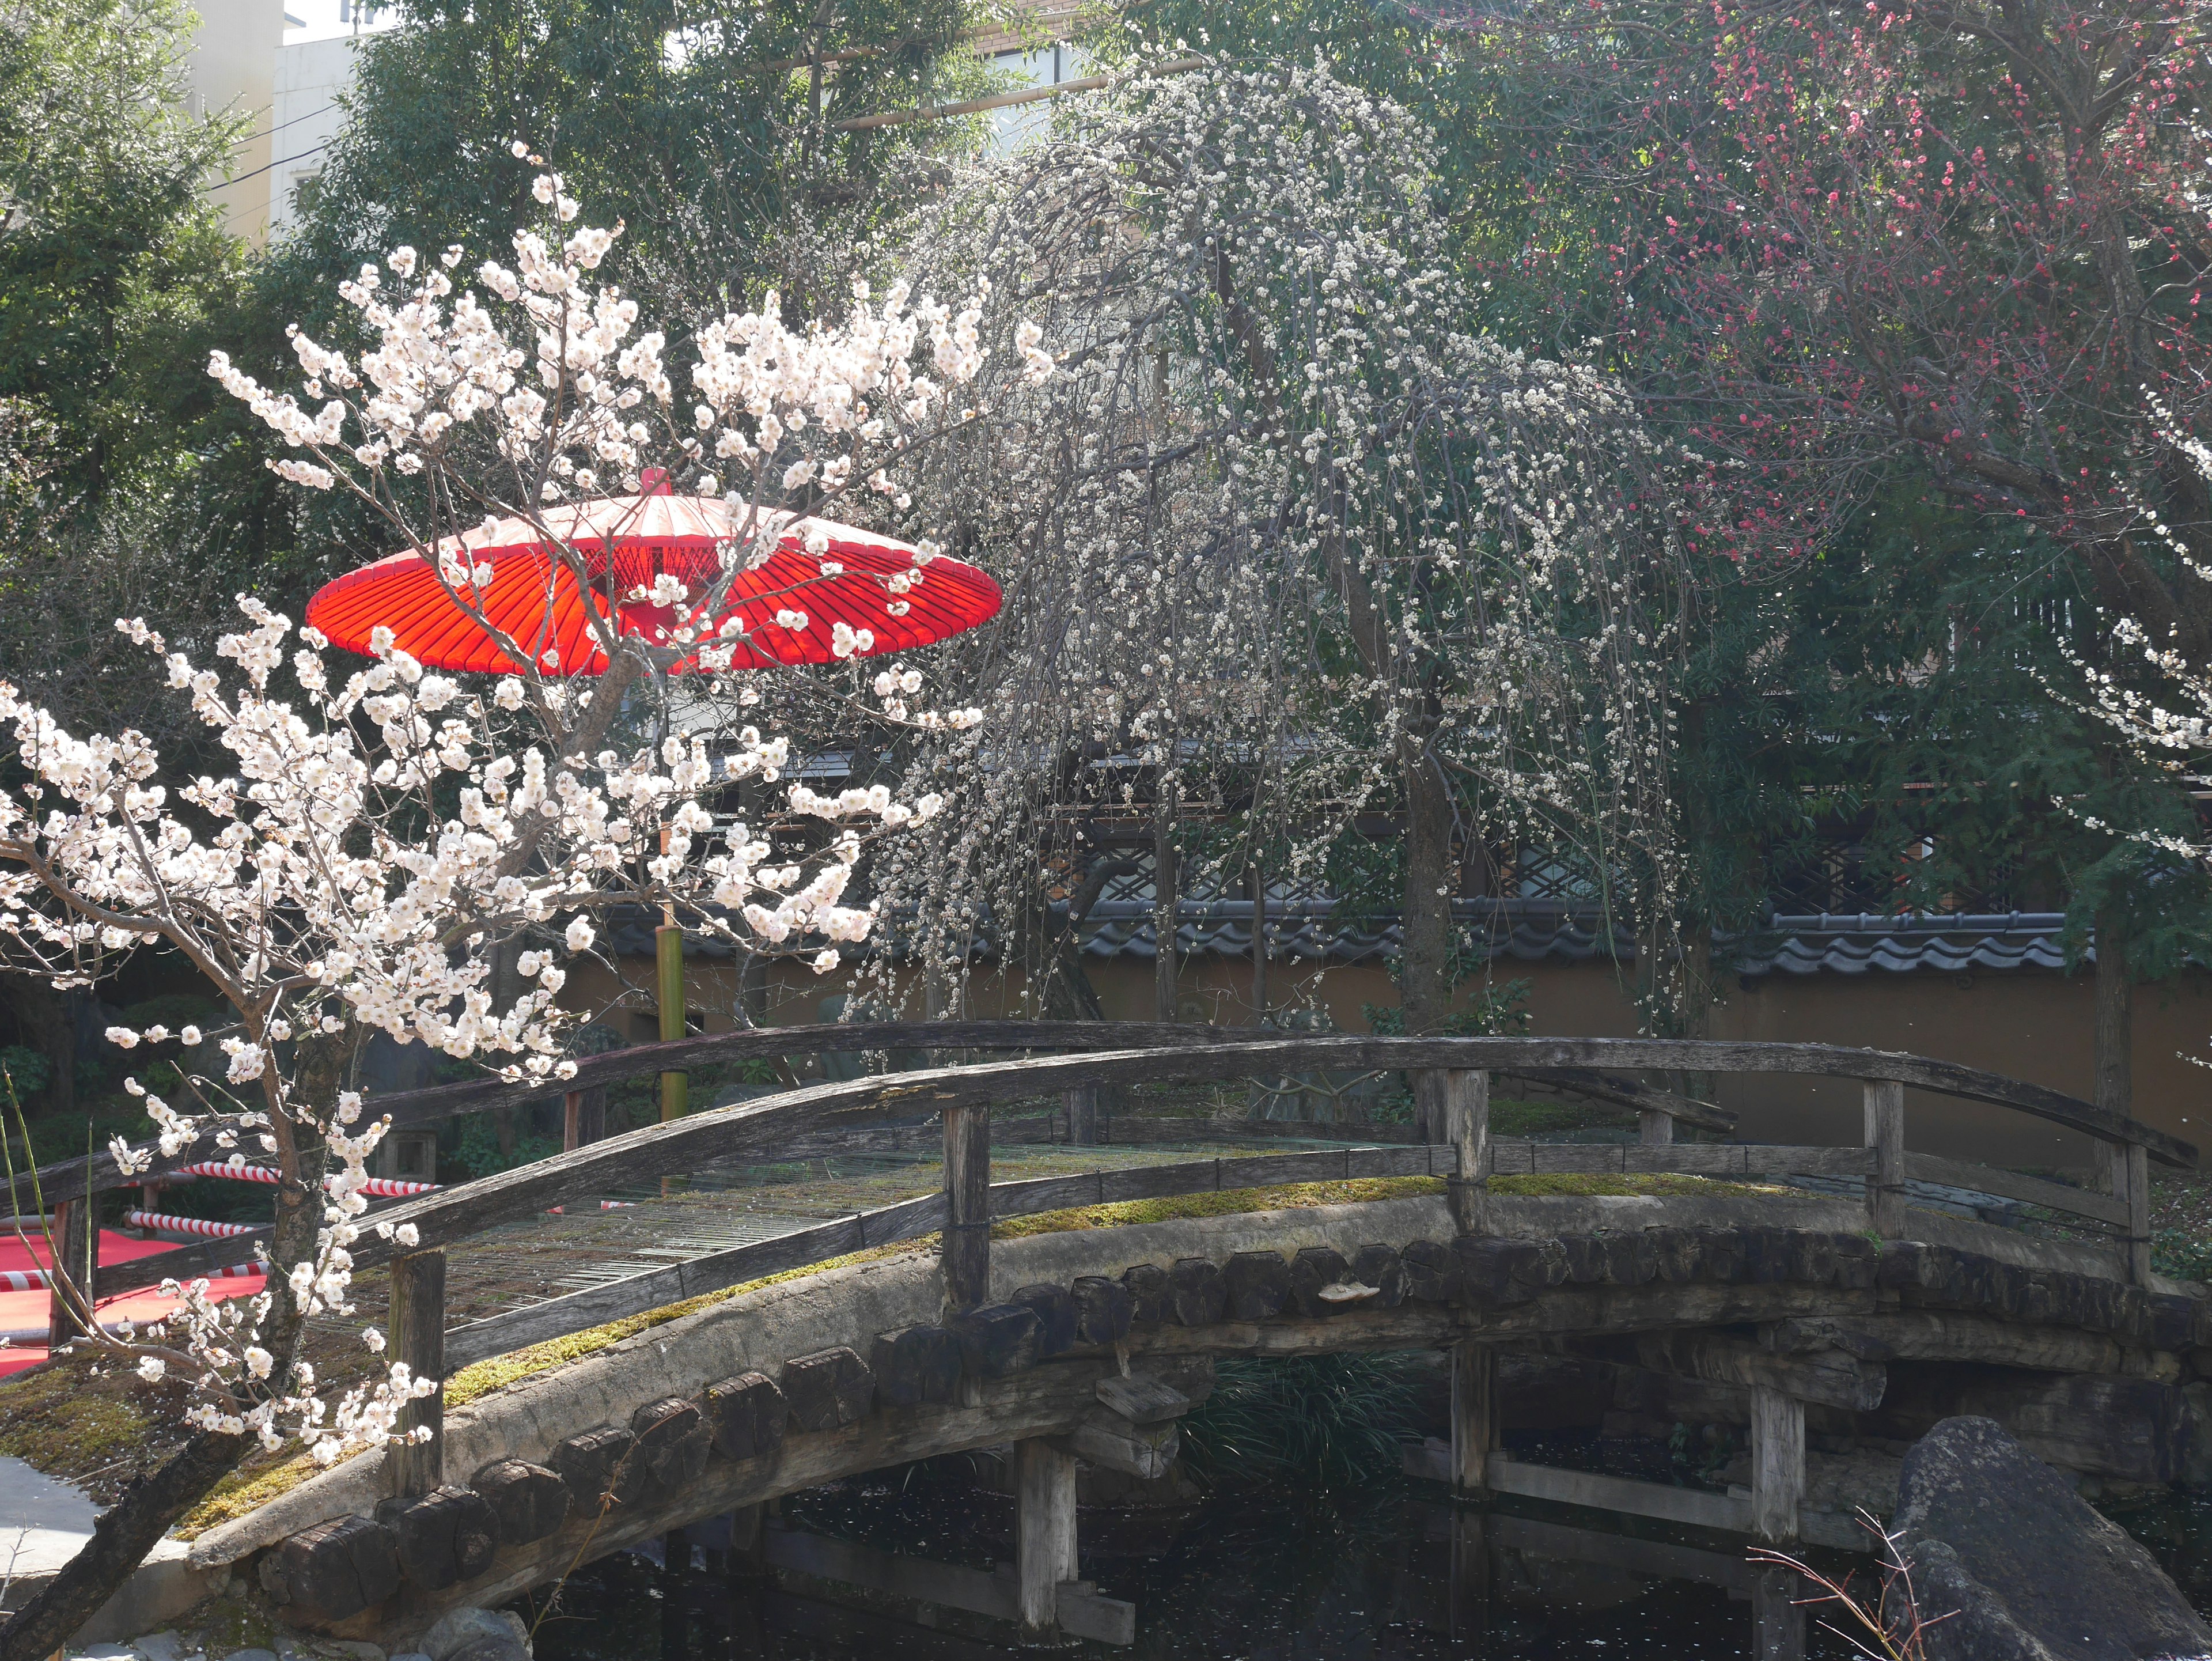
x=627 y=542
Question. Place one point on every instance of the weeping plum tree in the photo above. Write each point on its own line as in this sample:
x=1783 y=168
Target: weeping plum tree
x=1282 y=538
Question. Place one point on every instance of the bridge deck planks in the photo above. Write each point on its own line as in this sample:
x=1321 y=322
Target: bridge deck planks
x=578 y=1312
x=713 y=1271
x=908 y=1219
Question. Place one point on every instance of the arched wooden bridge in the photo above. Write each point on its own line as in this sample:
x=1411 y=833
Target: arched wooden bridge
x=1088 y=1344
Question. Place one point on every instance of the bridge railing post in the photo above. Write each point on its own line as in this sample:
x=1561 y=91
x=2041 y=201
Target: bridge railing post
x=418 y=1337
x=1083 y=1115
x=1885 y=1134
x=2127 y=1175
x=1463 y=1099
x=965 y=1256
x=77 y=1250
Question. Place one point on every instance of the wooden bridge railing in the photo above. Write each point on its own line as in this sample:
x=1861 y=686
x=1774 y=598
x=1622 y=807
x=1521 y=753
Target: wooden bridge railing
x=1451 y=1076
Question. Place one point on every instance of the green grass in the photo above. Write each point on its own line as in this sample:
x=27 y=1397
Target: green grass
x=1334 y=1422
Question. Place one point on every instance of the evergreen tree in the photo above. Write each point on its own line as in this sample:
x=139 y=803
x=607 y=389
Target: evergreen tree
x=114 y=259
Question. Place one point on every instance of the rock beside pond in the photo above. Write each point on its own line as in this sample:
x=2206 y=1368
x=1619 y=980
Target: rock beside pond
x=1999 y=1543
x=477 y=1635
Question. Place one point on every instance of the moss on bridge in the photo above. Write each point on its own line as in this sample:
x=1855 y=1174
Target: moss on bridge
x=1353 y=1191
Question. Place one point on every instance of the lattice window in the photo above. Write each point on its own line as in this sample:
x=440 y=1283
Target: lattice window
x=1538 y=874
x=1840 y=873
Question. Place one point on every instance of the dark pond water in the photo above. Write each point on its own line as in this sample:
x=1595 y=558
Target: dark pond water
x=1292 y=1570
x=1270 y=1576
x=1247 y=1575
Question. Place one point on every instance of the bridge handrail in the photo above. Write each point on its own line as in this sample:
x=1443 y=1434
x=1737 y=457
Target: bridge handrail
x=1240 y=1052
x=755 y=1128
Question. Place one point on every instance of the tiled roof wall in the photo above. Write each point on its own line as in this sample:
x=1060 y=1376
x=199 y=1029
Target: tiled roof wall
x=1539 y=931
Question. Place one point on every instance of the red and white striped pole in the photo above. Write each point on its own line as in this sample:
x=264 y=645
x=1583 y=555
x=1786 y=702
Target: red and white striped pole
x=387 y=1188
x=199 y=1226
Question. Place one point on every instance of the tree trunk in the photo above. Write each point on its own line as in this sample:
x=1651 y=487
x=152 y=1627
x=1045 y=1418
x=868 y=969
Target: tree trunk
x=122 y=1537
x=1068 y=993
x=1425 y=919
x=2114 y=1051
x=1257 y=881
x=1164 y=915
x=505 y=987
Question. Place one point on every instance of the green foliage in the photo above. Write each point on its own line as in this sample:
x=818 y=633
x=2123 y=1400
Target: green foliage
x=1700 y=1459
x=478 y=1154
x=50 y=1137
x=28 y=1070
x=1898 y=682
x=1518 y=1116
x=1307 y=1422
x=726 y=171
x=2182 y=1253
x=123 y=492
x=1498 y=1009
x=113 y=261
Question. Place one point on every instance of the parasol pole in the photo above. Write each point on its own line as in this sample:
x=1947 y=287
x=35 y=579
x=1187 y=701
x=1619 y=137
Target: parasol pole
x=668 y=951
x=668 y=939
x=668 y=955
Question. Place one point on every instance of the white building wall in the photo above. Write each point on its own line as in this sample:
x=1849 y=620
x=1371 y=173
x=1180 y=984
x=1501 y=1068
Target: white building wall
x=232 y=68
x=310 y=74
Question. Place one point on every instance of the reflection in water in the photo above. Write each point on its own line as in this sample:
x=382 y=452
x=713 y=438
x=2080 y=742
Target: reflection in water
x=1373 y=1575
x=2178 y=1529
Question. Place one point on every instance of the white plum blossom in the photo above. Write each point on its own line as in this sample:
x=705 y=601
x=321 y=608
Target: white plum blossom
x=379 y=834
x=1304 y=546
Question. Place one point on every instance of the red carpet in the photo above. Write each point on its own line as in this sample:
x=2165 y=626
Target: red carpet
x=23 y=1309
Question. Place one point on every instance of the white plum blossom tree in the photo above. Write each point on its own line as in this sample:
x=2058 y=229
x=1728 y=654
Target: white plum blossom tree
x=385 y=831
x=1288 y=543
x=2163 y=716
